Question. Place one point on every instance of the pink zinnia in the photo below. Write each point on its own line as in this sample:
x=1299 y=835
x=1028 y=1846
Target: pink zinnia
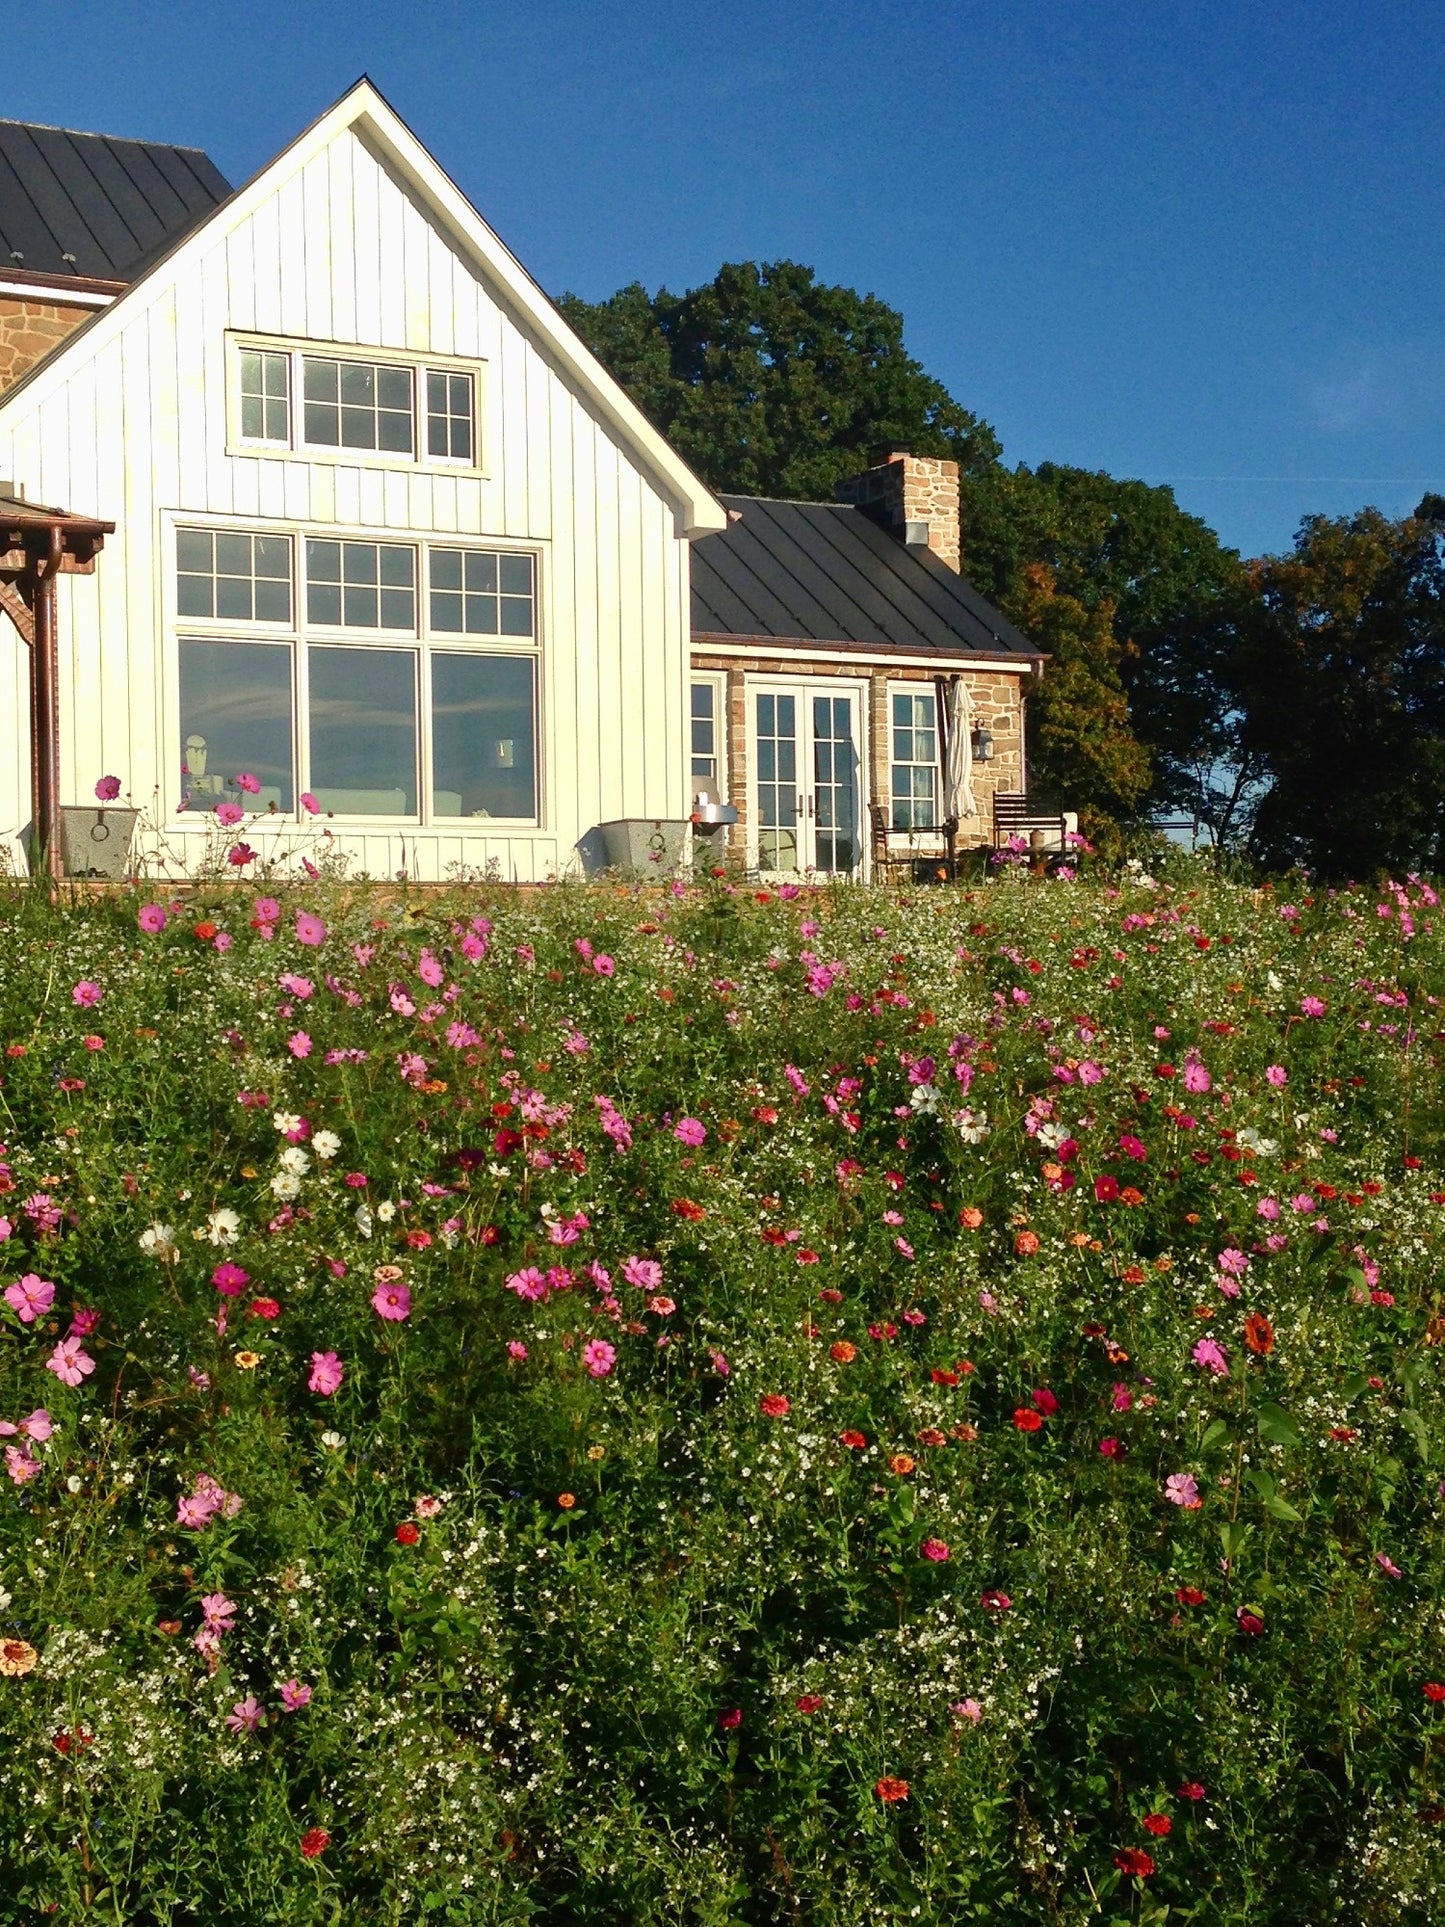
x=327 y=1371
x=1277 y=1075
x=246 y=1715
x=86 y=994
x=230 y=1280
x=310 y=929
x=1312 y=1006
x=599 y=1357
x=690 y=1131
x=70 y=1362
x=392 y=1302
x=30 y=1297
x=934 y=1550
x=151 y=918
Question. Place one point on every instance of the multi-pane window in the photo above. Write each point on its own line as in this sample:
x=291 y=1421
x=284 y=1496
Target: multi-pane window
x=449 y=411
x=239 y=578
x=375 y=701
x=477 y=592
x=704 y=731
x=361 y=585
x=265 y=396
x=358 y=404
x=914 y=760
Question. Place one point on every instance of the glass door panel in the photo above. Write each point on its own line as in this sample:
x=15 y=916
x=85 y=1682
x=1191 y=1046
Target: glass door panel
x=835 y=786
x=776 y=751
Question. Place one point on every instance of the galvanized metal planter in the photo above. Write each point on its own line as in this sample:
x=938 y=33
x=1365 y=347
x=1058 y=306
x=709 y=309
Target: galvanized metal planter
x=96 y=842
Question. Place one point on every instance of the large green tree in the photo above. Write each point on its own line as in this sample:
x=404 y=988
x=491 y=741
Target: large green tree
x=1342 y=667
x=770 y=382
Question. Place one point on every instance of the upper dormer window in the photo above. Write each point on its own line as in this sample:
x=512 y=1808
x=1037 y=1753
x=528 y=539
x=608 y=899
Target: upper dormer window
x=309 y=401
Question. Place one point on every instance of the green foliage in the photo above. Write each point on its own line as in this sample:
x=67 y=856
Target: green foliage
x=771 y=383
x=934 y=1453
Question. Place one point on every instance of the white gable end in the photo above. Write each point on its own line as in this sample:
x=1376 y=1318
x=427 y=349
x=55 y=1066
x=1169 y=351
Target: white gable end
x=353 y=240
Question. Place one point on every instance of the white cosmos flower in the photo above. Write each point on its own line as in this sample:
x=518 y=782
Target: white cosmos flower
x=325 y=1144
x=924 y=1099
x=386 y=1211
x=1052 y=1134
x=972 y=1126
x=159 y=1241
x=333 y=1441
x=223 y=1226
x=1262 y=1147
x=286 y=1122
x=293 y=1158
x=285 y=1184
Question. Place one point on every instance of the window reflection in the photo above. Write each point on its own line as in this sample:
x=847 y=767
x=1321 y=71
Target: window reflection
x=484 y=759
x=363 y=731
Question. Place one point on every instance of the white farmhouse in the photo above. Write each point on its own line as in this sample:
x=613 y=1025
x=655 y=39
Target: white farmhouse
x=348 y=512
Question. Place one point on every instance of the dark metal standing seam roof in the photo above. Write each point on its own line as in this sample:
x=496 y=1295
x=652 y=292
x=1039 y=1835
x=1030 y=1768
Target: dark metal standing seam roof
x=109 y=203
x=825 y=572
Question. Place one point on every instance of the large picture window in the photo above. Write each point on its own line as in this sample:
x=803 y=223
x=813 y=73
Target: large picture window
x=369 y=701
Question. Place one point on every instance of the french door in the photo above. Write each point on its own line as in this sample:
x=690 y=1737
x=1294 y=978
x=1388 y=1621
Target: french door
x=806 y=796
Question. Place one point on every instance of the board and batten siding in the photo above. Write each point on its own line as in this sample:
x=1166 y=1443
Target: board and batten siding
x=134 y=430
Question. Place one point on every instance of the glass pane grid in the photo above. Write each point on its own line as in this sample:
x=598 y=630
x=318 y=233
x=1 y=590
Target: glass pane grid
x=235 y=578
x=482 y=592
x=357 y=404
x=361 y=585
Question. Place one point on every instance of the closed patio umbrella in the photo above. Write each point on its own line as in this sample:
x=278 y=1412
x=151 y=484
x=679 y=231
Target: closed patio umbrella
x=958 y=797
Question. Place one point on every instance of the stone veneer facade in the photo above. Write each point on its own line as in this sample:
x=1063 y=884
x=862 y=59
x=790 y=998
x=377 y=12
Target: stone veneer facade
x=998 y=707
x=30 y=329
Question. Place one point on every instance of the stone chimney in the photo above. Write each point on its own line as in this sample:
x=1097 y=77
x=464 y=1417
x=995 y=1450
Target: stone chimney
x=30 y=329
x=915 y=497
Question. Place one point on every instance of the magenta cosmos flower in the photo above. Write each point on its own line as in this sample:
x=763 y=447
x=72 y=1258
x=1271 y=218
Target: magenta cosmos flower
x=151 y=918
x=1209 y=1356
x=30 y=1297
x=327 y=1371
x=70 y=1362
x=249 y=783
x=86 y=994
x=310 y=929
x=294 y=1695
x=690 y=1131
x=219 y=1612
x=108 y=789
x=392 y=1302
x=599 y=1357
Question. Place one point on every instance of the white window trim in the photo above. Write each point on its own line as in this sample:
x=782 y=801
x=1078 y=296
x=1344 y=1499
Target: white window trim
x=299 y=450
x=914 y=839
x=298 y=635
x=719 y=686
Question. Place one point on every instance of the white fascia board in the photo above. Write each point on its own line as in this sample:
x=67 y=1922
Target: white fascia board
x=57 y=296
x=859 y=660
x=362 y=108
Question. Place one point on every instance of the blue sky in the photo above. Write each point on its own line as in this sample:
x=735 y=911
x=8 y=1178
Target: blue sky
x=1197 y=244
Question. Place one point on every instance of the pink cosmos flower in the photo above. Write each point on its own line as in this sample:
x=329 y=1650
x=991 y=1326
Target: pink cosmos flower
x=246 y=1715
x=294 y=1695
x=310 y=930
x=1312 y=1006
x=1196 y=1078
x=229 y=813
x=309 y=803
x=604 y=966
x=249 y=783
x=599 y=1357
x=528 y=1283
x=392 y=1302
x=151 y=918
x=516 y=1349
x=1268 y=1208
x=327 y=1372
x=690 y=1131
x=966 y=1710
x=70 y=1362
x=645 y=1273
x=20 y=1465
x=1277 y=1075
x=30 y=1297
x=219 y=1612
x=38 y=1426
x=299 y=1044
x=1209 y=1356
x=1122 y=1398
x=934 y=1550
x=86 y=994
x=1387 y=1564
x=108 y=789
x=1181 y=1488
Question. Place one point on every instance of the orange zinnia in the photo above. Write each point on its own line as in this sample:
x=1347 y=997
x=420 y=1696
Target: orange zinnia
x=891 y=1791
x=18 y=1657
x=843 y=1353
x=1259 y=1334
x=901 y=1464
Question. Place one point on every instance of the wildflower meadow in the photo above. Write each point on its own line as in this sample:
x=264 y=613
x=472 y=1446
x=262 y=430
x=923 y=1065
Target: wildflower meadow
x=723 y=1406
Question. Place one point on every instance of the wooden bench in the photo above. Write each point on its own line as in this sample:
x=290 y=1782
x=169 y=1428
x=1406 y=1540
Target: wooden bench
x=1017 y=817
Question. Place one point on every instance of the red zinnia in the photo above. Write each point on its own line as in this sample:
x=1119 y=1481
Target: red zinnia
x=775 y=1405
x=314 y=1842
x=407 y=1534
x=808 y=1702
x=1259 y=1334
x=1191 y=1790
x=1134 y=1860
x=1158 y=1823
x=891 y=1791
x=1189 y=1596
x=1027 y=1419
x=1434 y=1691
x=855 y=1441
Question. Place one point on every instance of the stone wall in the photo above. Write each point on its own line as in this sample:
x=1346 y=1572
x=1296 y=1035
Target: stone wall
x=29 y=330
x=998 y=706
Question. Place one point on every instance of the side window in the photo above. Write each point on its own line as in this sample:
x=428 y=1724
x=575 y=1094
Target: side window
x=914 y=760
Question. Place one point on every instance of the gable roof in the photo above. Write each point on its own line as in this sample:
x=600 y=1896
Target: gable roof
x=108 y=204
x=825 y=572
x=362 y=110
